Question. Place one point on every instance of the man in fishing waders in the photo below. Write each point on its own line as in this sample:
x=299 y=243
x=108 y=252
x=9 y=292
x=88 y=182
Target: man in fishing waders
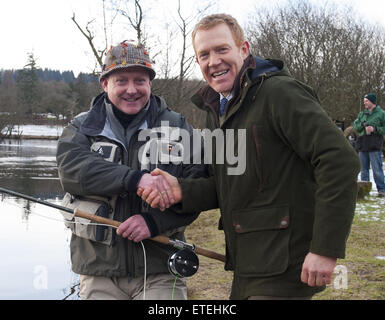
x=103 y=156
x=287 y=214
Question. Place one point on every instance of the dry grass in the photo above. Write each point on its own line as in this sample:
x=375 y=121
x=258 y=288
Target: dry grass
x=211 y=282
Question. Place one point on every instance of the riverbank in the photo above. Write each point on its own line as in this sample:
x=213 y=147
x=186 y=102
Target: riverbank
x=31 y=131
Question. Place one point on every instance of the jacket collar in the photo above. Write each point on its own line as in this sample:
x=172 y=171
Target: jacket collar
x=96 y=118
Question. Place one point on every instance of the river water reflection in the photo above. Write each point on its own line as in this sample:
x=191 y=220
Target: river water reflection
x=34 y=243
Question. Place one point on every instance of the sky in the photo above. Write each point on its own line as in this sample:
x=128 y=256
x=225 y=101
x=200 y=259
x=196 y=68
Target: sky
x=45 y=28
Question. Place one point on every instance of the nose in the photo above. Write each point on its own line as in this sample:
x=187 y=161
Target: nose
x=214 y=60
x=131 y=88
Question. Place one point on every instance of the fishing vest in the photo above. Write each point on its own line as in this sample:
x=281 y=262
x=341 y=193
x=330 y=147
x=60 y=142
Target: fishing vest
x=97 y=205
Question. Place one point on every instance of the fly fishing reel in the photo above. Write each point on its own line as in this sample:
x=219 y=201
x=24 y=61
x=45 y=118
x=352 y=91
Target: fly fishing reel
x=183 y=263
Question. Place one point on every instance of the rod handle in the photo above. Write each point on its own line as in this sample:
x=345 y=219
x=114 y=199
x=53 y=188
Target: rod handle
x=95 y=218
x=160 y=238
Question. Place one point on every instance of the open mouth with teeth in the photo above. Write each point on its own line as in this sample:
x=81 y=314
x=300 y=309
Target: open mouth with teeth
x=220 y=73
x=131 y=99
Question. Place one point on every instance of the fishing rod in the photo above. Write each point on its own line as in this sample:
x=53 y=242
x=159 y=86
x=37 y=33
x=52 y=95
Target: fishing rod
x=161 y=239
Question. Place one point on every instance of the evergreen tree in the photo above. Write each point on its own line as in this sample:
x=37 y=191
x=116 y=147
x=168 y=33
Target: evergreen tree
x=28 y=87
x=68 y=76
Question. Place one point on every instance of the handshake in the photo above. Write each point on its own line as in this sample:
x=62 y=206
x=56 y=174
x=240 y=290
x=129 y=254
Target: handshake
x=159 y=189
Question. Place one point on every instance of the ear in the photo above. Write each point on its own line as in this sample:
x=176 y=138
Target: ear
x=245 y=50
x=104 y=84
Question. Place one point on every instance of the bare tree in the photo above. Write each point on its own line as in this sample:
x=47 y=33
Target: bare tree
x=340 y=57
x=90 y=35
x=185 y=25
x=136 y=21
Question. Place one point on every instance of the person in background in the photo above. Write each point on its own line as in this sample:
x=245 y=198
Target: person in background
x=370 y=126
x=99 y=168
x=287 y=217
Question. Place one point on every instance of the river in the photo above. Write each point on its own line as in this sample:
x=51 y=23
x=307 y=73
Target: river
x=34 y=243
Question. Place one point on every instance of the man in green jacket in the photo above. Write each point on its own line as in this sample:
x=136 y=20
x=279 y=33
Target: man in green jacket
x=370 y=125
x=287 y=216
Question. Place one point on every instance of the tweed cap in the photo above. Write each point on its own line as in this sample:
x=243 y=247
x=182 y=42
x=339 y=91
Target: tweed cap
x=127 y=55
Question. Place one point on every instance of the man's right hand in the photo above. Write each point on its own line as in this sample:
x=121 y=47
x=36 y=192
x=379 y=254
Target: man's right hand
x=156 y=186
x=154 y=198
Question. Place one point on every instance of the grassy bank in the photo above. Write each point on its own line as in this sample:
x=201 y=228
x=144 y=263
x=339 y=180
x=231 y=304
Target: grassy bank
x=211 y=282
x=366 y=273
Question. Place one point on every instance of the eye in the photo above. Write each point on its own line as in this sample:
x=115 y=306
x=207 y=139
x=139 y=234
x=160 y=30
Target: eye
x=140 y=81
x=222 y=50
x=121 y=80
x=203 y=56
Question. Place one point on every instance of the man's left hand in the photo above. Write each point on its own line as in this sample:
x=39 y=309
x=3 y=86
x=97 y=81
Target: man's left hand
x=134 y=228
x=317 y=270
x=369 y=129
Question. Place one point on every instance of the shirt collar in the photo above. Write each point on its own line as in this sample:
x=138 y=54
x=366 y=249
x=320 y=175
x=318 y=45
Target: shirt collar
x=228 y=97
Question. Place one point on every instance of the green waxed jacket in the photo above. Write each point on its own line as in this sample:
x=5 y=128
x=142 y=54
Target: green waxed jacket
x=299 y=187
x=376 y=119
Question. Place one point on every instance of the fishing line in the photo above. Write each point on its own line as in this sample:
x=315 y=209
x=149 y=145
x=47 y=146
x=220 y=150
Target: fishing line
x=182 y=263
x=145 y=271
x=173 y=288
x=90 y=224
x=58 y=220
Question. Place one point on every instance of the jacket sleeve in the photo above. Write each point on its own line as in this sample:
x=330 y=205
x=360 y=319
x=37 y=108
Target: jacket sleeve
x=380 y=129
x=306 y=128
x=84 y=172
x=357 y=124
x=199 y=194
x=177 y=216
x=183 y=214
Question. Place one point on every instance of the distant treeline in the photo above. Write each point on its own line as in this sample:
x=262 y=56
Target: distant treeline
x=47 y=75
x=29 y=94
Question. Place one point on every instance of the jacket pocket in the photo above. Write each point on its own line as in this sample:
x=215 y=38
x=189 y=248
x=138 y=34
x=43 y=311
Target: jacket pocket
x=100 y=206
x=85 y=228
x=262 y=241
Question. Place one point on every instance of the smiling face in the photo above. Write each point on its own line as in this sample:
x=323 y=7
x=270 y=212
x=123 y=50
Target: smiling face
x=129 y=89
x=219 y=58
